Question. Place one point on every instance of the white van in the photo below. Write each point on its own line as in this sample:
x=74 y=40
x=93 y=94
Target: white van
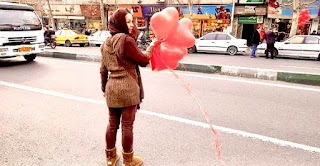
x=21 y=31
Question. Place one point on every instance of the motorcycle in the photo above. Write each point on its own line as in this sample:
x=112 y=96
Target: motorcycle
x=51 y=42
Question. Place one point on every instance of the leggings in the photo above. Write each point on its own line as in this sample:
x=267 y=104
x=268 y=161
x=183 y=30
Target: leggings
x=127 y=120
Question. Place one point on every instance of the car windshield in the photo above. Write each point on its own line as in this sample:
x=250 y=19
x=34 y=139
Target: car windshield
x=19 y=20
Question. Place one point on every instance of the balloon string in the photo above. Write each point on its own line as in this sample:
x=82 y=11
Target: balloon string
x=218 y=145
x=215 y=132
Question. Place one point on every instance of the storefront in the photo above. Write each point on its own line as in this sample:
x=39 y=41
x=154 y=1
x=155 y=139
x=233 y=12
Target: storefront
x=137 y=14
x=249 y=18
x=67 y=16
x=281 y=14
x=209 y=18
x=92 y=16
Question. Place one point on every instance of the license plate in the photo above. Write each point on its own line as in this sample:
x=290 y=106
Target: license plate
x=25 y=49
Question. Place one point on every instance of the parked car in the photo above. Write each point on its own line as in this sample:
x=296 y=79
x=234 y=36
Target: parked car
x=98 y=37
x=296 y=46
x=219 y=42
x=70 y=37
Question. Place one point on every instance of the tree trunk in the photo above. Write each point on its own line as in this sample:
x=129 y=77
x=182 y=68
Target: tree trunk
x=103 y=21
x=51 y=17
x=295 y=17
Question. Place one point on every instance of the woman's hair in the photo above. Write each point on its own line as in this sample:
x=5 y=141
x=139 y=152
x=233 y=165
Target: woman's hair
x=117 y=22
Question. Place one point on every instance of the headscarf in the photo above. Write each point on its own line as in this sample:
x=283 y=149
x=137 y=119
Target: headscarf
x=118 y=24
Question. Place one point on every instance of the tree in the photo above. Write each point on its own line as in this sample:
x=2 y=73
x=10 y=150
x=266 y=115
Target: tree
x=51 y=17
x=103 y=21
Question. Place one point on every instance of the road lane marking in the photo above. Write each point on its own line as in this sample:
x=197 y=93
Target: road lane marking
x=169 y=117
x=213 y=77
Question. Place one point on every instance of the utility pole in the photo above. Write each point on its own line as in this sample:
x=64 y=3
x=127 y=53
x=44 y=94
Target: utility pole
x=103 y=21
x=295 y=17
x=51 y=17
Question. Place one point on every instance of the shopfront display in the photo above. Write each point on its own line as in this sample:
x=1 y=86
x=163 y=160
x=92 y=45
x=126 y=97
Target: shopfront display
x=209 y=18
x=67 y=16
x=92 y=16
x=281 y=12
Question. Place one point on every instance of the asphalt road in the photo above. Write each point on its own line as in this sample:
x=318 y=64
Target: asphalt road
x=53 y=113
x=310 y=66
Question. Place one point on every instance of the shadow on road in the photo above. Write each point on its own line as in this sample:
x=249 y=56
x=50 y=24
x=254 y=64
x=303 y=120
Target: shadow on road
x=10 y=62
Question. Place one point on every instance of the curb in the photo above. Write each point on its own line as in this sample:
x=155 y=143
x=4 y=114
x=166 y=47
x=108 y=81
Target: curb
x=265 y=74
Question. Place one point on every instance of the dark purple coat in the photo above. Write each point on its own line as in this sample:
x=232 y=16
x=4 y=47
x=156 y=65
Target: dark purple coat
x=270 y=37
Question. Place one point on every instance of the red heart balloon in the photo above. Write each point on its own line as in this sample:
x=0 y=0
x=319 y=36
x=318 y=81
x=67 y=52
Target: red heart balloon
x=162 y=23
x=182 y=36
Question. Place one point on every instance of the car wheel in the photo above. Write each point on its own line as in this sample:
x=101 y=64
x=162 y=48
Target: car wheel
x=318 y=57
x=232 y=50
x=98 y=45
x=30 y=58
x=192 y=49
x=53 y=45
x=82 y=45
x=68 y=43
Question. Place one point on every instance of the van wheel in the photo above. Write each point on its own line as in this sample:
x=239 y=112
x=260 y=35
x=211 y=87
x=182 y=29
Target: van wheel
x=68 y=43
x=232 y=50
x=192 y=49
x=30 y=58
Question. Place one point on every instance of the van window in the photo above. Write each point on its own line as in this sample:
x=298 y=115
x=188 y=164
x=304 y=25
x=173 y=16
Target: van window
x=19 y=20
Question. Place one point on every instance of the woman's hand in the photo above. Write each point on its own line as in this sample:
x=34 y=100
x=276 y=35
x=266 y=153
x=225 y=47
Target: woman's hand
x=150 y=48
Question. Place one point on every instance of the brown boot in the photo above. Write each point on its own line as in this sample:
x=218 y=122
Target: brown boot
x=130 y=160
x=112 y=157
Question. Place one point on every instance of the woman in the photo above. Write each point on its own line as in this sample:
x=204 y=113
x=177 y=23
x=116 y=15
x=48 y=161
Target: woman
x=122 y=88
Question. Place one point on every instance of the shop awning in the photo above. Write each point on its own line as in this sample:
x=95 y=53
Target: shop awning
x=69 y=17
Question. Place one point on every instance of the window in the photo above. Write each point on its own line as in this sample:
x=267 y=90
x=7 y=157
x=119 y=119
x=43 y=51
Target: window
x=58 y=33
x=297 y=40
x=19 y=20
x=223 y=37
x=312 y=40
x=209 y=37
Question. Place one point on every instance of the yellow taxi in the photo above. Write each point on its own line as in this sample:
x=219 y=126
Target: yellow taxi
x=69 y=37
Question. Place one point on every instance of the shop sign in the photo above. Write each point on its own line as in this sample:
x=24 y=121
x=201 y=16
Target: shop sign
x=91 y=11
x=149 y=10
x=135 y=9
x=249 y=9
x=251 y=1
x=261 y=11
x=208 y=12
x=64 y=10
x=239 y=10
x=251 y=20
x=283 y=8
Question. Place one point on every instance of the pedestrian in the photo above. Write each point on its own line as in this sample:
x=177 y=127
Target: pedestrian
x=255 y=42
x=281 y=36
x=122 y=87
x=270 y=38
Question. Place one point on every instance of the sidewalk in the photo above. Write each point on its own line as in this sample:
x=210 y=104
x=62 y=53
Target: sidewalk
x=289 y=70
